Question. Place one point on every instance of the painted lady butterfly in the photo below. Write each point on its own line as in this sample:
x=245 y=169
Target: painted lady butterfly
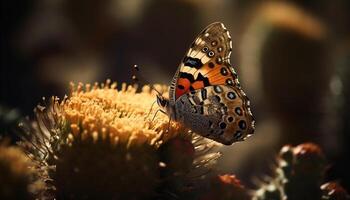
x=205 y=94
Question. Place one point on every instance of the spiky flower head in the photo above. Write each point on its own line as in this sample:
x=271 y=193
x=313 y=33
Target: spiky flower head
x=101 y=142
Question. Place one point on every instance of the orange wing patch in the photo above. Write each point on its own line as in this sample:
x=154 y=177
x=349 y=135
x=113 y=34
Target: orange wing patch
x=183 y=86
x=208 y=74
x=217 y=74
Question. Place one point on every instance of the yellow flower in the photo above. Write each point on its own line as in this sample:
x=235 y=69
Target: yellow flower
x=123 y=116
x=101 y=142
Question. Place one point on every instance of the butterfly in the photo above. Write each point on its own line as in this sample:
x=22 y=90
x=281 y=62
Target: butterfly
x=205 y=94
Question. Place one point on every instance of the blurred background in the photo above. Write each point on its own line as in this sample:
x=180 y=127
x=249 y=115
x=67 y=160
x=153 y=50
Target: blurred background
x=292 y=57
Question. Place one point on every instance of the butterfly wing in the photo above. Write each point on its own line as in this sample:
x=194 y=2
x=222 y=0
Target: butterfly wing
x=219 y=112
x=206 y=63
x=206 y=92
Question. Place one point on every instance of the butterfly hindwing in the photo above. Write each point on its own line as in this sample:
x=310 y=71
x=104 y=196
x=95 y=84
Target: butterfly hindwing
x=217 y=112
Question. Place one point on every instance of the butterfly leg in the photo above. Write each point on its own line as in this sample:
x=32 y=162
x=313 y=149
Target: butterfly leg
x=155 y=114
x=150 y=110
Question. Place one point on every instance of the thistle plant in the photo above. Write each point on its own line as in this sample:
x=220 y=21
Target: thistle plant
x=299 y=175
x=101 y=142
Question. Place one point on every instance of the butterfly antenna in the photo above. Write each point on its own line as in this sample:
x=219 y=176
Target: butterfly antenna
x=137 y=75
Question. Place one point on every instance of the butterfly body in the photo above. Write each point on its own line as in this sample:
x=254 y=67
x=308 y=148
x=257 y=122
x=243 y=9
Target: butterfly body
x=205 y=94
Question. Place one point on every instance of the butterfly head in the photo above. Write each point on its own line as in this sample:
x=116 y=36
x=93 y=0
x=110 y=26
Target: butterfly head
x=166 y=106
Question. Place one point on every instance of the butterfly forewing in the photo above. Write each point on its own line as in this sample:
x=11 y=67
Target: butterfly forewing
x=206 y=63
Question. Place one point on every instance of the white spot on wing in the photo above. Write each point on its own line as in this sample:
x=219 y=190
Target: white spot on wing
x=191 y=70
x=195 y=74
x=191 y=100
x=193 y=53
x=222 y=25
x=199 y=95
x=200 y=55
x=199 y=41
x=228 y=56
x=228 y=34
x=233 y=70
x=186 y=69
x=205 y=59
